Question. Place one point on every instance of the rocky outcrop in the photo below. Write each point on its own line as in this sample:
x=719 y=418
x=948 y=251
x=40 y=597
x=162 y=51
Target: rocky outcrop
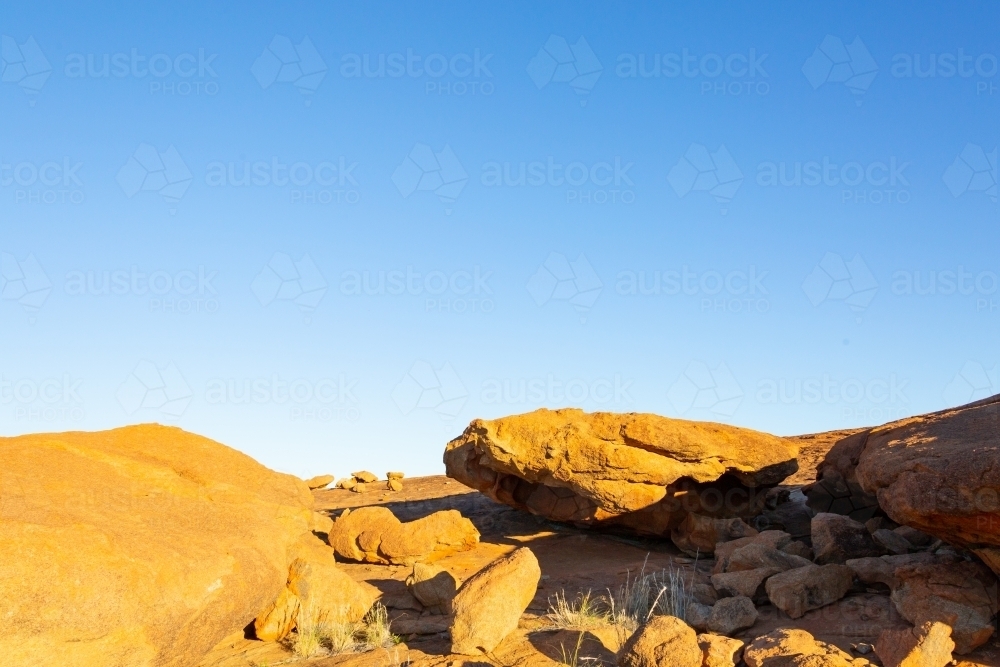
x=664 y=640
x=797 y=648
x=140 y=546
x=319 y=482
x=375 y=535
x=489 y=605
x=936 y=473
x=929 y=645
x=637 y=472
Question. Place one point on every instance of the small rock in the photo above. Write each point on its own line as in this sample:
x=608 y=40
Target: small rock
x=347 y=484
x=697 y=615
x=930 y=645
x=433 y=586
x=800 y=549
x=755 y=556
x=732 y=614
x=697 y=535
x=748 y=583
x=704 y=593
x=488 y=606
x=319 y=482
x=394 y=485
x=891 y=541
x=864 y=648
x=365 y=476
x=771 y=538
x=797 y=591
x=394 y=475
x=837 y=538
x=359 y=487
x=665 y=640
x=374 y=535
x=719 y=651
x=913 y=536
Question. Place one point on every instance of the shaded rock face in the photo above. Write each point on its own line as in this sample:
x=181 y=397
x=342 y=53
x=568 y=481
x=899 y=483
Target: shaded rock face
x=664 y=640
x=837 y=538
x=697 y=535
x=797 y=648
x=935 y=472
x=640 y=473
x=488 y=606
x=810 y=587
x=375 y=535
x=961 y=595
x=140 y=546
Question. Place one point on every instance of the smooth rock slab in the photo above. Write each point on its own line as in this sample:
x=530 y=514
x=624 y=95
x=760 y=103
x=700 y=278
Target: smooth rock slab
x=375 y=535
x=637 y=472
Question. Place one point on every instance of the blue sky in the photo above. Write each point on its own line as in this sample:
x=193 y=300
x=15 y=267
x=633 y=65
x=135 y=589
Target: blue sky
x=331 y=235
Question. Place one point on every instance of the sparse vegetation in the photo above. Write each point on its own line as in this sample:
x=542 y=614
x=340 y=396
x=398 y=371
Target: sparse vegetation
x=585 y=611
x=572 y=659
x=645 y=595
x=315 y=636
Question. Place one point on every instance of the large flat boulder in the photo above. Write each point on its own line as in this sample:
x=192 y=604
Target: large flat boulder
x=140 y=546
x=639 y=472
x=937 y=473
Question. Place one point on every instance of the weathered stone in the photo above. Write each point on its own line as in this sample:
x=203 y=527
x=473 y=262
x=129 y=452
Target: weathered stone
x=348 y=483
x=929 y=645
x=891 y=542
x=359 y=487
x=962 y=595
x=394 y=485
x=364 y=476
x=800 y=549
x=636 y=472
x=704 y=593
x=793 y=517
x=836 y=489
x=756 y=556
x=837 y=538
x=882 y=569
x=433 y=586
x=935 y=473
x=375 y=535
x=394 y=475
x=732 y=614
x=139 y=546
x=915 y=537
x=697 y=535
x=719 y=651
x=797 y=591
x=487 y=606
x=775 y=539
x=796 y=648
x=319 y=482
x=697 y=615
x=749 y=583
x=317 y=587
x=664 y=640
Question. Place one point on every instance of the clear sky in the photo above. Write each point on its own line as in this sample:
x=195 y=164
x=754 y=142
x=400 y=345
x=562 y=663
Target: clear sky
x=331 y=234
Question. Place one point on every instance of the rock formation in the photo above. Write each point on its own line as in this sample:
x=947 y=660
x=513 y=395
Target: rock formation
x=140 y=546
x=375 y=535
x=638 y=472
